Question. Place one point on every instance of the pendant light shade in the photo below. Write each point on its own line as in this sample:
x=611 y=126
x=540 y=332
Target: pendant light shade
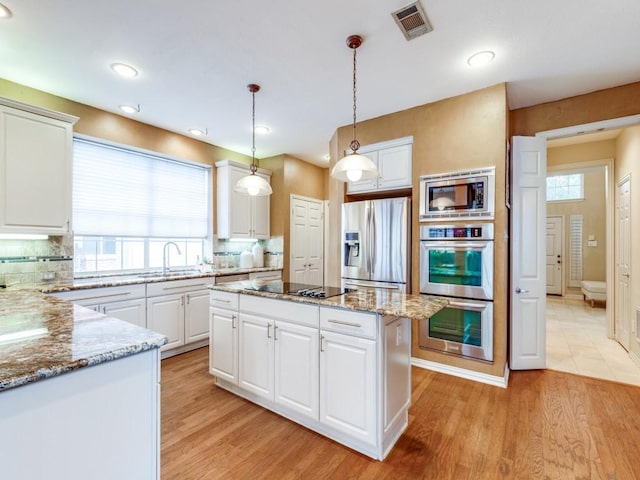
x=354 y=167
x=253 y=184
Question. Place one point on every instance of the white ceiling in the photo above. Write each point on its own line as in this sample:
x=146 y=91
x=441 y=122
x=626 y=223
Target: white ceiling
x=196 y=57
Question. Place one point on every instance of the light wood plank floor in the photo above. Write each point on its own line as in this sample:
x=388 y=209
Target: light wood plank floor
x=546 y=425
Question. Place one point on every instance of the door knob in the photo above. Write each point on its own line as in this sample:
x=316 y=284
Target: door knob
x=521 y=290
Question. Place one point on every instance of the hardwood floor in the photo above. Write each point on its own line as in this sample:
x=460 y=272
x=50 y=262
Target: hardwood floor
x=546 y=425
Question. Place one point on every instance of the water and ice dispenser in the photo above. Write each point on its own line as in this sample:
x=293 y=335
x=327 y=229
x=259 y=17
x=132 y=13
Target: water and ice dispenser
x=351 y=249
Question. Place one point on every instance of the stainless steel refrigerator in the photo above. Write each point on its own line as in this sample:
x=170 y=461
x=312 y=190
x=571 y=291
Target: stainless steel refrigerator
x=375 y=242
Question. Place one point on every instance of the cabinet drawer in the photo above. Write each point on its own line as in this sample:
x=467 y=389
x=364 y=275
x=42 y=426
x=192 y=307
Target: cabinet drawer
x=177 y=286
x=226 y=300
x=348 y=322
x=104 y=294
x=271 y=275
x=280 y=310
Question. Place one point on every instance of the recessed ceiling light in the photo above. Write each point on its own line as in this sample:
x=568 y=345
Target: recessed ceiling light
x=481 y=58
x=197 y=132
x=5 y=12
x=262 y=129
x=124 y=70
x=129 y=108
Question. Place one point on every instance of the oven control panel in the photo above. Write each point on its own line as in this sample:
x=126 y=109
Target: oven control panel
x=482 y=231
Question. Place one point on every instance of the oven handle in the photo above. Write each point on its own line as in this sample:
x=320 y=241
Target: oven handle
x=455 y=245
x=478 y=307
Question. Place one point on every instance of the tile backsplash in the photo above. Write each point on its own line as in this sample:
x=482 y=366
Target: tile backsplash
x=36 y=261
x=228 y=252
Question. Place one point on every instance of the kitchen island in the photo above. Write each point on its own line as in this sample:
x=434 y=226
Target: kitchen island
x=340 y=366
x=79 y=392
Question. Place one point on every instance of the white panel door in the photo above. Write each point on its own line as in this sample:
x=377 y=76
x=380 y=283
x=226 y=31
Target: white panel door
x=306 y=241
x=554 y=255
x=528 y=269
x=256 y=355
x=196 y=316
x=165 y=314
x=223 y=345
x=298 y=240
x=296 y=368
x=348 y=385
x=623 y=313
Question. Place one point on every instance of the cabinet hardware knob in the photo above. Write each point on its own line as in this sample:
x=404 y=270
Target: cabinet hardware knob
x=268 y=330
x=233 y=321
x=321 y=343
x=275 y=332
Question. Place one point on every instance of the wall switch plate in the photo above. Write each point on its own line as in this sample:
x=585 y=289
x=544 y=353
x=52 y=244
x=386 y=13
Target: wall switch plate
x=592 y=243
x=48 y=275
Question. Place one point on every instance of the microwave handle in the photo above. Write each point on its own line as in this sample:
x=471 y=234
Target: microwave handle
x=455 y=244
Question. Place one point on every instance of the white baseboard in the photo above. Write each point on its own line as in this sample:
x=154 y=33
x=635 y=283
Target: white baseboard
x=463 y=373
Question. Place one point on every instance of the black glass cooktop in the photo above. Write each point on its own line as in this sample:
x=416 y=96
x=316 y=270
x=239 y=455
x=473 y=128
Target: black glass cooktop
x=299 y=289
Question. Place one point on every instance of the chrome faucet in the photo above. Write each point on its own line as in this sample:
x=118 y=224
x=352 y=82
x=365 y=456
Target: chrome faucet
x=165 y=255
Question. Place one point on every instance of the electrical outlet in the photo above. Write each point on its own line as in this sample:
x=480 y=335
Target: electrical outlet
x=48 y=275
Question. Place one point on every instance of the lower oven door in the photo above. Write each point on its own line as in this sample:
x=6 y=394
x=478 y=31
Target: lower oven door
x=457 y=268
x=464 y=327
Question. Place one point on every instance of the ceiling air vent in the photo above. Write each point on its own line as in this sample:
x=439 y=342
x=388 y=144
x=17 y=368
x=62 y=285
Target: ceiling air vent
x=412 y=20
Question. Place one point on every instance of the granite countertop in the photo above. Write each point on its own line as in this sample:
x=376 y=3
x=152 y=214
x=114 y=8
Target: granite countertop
x=42 y=337
x=133 y=279
x=385 y=302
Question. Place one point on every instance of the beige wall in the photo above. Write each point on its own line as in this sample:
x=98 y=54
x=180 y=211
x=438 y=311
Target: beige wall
x=467 y=131
x=628 y=163
x=116 y=128
x=593 y=209
x=291 y=176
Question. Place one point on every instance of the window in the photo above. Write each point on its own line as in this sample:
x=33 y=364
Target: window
x=565 y=187
x=127 y=204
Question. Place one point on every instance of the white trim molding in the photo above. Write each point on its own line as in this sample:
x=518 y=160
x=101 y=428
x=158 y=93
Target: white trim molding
x=463 y=373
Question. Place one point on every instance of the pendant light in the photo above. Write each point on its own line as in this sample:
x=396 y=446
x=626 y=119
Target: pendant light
x=354 y=167
x=253 y=184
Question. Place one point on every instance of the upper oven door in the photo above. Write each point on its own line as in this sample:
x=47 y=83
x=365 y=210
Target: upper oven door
x=458 y=268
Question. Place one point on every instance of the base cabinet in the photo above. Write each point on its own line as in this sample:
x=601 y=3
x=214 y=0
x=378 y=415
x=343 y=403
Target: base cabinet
x=342 y=373
x=179 y=309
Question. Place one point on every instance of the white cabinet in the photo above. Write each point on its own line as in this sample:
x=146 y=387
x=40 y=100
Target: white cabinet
x=223 y=339
x=239 y=215
x=394 y=162
x=35 y=169
x=348 y=373
x=180 y=310
x=127 y=303
x=278 y=353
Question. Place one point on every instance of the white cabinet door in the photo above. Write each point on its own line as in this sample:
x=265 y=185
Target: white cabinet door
x=196 y=316
x=223 y=344
x=132 y=311
x=260 y=214
x=296 y=368
x=365 y=185
x=240 y=207
x=348 y=385
x=165 y=314
x=394 y=168
x=256 y=355
x=35 y=173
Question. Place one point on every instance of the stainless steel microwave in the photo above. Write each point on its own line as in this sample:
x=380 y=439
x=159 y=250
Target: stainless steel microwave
x=464 y=195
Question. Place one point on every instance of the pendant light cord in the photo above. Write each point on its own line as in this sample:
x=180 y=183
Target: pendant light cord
x=355 y=145
x=254 y=167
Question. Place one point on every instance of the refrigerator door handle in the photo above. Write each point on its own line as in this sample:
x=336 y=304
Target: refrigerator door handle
x=367 y=236
x=373 y=238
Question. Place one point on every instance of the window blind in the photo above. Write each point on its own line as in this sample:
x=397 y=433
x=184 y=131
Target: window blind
x=122 y=192
x=575 y=251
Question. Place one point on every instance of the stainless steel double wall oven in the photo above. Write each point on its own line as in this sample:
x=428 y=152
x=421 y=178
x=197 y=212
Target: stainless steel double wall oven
x=457 y=261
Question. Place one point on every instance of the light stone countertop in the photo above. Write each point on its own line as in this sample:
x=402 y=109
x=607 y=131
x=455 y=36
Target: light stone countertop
x=385 y=302
x=42 y=337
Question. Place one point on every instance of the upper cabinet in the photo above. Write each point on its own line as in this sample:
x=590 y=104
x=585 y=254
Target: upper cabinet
x=239 y=215
x=394 y=162
x=35 y=169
